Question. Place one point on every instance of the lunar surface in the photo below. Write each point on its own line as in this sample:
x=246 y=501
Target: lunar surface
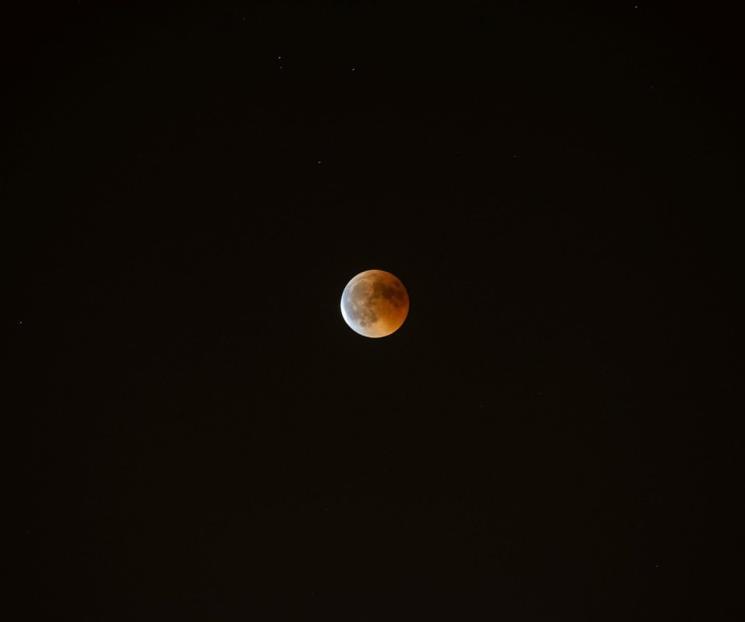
x=374 y=303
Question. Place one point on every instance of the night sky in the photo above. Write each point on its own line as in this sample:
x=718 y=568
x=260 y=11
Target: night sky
x=552 y=433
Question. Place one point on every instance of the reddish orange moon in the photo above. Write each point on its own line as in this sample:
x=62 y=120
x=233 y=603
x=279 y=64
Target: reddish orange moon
x=374 y=303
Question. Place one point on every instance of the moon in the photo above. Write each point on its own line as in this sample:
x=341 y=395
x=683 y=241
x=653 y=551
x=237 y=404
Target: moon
x=374 y=303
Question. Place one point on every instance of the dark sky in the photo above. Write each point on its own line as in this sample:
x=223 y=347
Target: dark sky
x=547 y=438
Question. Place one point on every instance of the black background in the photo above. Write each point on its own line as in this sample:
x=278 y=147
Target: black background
x=187 y=191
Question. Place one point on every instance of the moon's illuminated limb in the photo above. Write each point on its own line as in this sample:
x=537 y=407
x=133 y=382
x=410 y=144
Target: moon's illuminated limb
x=374 y=303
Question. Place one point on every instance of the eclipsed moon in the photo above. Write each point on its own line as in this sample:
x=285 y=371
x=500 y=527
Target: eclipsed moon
x=374 y=303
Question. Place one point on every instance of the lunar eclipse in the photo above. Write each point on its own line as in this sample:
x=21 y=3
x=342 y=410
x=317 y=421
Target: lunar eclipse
x=374 y=303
